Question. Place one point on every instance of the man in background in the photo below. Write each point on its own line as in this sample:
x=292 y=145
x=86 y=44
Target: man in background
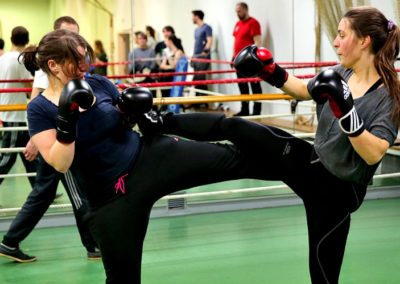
x=202 y=46
x=12 y=68
x=1 y=46
x=247 y=31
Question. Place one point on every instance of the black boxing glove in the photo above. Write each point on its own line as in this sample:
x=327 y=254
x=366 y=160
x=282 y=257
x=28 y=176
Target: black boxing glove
x=329 y=85
x=253 y=61
x=134 y=102
x=76 y=93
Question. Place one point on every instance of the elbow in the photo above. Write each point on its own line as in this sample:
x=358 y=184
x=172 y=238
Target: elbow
x=372 y=162
x=374 y=159
x=62 y=168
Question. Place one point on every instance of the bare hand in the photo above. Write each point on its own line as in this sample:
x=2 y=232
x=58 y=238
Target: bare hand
x=30 y=151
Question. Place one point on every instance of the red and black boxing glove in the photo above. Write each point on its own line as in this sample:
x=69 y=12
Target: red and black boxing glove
x=253 y=61
x=329 y=85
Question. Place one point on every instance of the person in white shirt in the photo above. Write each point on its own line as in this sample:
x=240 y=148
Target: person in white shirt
x=11 y=68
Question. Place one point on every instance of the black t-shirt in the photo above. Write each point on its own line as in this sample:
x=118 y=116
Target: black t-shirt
x=105 y=148
x=160 y=46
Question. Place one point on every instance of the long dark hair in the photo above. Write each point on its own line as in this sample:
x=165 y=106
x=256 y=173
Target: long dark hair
x=177 y=42
x=151 y=31
x=385 y=36
x=98 y=45
x=60 y=46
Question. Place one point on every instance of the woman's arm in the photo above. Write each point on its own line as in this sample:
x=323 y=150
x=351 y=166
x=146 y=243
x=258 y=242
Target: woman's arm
x=370 y=147
x=174 y=62
x=164 y=64
x=56 y=154
x=178 y=55
x=296 y=88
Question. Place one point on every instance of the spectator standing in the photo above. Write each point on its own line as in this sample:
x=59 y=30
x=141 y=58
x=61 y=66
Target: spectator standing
x=151 y=37
x=1 y=46
x=11 y=68
x=202 y=46
x=101 y=58
x=169 y=63
x=247 y=31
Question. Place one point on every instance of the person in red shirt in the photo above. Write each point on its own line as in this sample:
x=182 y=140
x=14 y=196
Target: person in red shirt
x=247 y=31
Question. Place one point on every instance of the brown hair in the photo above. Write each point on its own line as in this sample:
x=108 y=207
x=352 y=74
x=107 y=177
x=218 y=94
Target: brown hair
x=19 y=36
x=60 y=46
x=243 y=5
x=141 y=34
x=177 y=42
x=151 y=31
x=98 y=46
x=64 y=19
x=385 y=37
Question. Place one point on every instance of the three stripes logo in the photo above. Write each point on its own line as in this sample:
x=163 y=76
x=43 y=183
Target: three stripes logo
x=346 y=90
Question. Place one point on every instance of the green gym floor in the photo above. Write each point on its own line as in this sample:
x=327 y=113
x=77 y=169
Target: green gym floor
x=239 y=247
x=252 y=246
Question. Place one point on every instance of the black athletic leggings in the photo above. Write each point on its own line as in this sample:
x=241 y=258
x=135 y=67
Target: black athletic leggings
x=328 y=200
x=168 y=164
x=164 y=165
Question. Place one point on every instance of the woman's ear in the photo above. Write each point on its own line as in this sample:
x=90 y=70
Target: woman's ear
x=366 y=41
x=53 y=66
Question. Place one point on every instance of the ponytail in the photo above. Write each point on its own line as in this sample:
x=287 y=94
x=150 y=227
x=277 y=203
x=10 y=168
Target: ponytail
x=385 y=36
x=384 y=64
x=28 y=58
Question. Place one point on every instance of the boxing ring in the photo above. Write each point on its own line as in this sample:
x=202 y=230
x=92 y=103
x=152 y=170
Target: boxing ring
x=251 y=226
x=202 y=199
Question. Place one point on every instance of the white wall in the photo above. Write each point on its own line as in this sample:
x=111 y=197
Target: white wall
x=288 y=29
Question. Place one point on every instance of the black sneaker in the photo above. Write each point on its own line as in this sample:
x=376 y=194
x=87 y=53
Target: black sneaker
x=94 y=255
x=15 y=254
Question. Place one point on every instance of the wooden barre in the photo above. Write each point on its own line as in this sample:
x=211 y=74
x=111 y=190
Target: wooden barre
x=216 y=99
x=17 y=107
x=187 y=100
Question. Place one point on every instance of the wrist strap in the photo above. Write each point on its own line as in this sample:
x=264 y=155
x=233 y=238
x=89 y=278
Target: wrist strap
x=277 y=78
x=351 y=123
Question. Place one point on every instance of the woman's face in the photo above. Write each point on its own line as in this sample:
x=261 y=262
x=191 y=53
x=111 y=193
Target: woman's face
x=69 y=71
x=168 y=43
x=347 y=44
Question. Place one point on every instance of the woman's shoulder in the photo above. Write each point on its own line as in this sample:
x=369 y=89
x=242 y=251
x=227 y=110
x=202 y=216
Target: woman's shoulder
x=96 y=80
x=101 y=84
x=178 y=54
x=39 y=102
x=40 y=106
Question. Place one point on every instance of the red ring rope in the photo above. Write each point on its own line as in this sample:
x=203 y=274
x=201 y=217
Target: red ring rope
x=168 y=84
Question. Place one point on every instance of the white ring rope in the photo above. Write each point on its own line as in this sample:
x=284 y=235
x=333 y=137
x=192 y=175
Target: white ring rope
x=12 y=150
x=14 y=128
x=212 y=193
x=18 y=175
x=205 y=92
x=275 y=115
x=21 y=149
